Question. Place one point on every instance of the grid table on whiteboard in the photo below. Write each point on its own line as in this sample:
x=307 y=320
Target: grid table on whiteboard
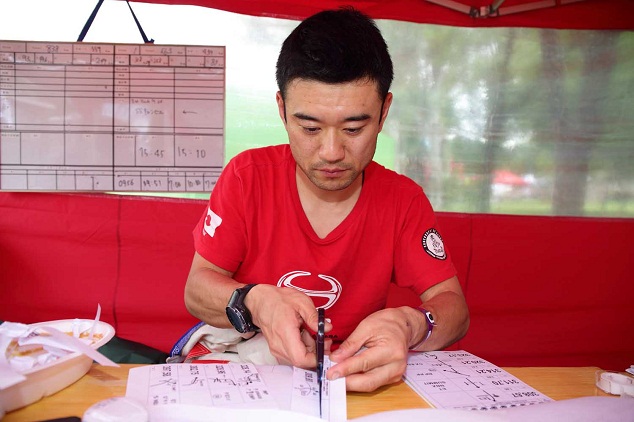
x=111 y=117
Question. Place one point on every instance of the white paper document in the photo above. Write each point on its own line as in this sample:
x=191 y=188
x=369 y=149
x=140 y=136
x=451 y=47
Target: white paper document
x=306 y=394
x=238 y=385
x=461 y=380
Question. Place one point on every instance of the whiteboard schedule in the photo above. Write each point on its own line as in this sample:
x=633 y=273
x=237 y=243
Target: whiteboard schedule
x=111 y=117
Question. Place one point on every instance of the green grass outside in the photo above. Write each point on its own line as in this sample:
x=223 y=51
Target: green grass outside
x=536 y=207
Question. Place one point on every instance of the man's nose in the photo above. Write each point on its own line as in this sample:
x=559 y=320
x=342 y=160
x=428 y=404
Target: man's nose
x=332 y=147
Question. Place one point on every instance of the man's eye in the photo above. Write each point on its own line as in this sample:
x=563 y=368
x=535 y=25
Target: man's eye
x=309 y=129
x=353 y=130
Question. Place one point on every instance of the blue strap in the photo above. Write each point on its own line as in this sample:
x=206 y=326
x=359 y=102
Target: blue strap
x=178 y=347
x=91 y=18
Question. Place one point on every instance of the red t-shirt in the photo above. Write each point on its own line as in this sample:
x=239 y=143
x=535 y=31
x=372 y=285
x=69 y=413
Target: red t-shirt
x=256 y=228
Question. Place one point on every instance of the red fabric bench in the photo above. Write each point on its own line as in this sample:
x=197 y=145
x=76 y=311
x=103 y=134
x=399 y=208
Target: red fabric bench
x=543 y=291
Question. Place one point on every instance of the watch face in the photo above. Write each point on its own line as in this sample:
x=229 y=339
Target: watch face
x=237 y=320
x=238 y=314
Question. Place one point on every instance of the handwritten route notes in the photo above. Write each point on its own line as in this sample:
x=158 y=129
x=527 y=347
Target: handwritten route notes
x=461 y=380
x=306 y=394
x=215 y=385
x=237 y=385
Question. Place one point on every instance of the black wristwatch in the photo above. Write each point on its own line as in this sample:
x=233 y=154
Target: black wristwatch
x=238 y=314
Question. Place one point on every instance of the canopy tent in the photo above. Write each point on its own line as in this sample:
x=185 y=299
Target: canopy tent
x=557 y=14
x=107 y=235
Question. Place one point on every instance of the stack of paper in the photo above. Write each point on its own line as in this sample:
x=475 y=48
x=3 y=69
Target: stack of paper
x=461 y=380
x=239 y=386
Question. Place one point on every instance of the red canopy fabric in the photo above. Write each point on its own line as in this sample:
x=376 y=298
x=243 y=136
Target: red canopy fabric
x=558 y=14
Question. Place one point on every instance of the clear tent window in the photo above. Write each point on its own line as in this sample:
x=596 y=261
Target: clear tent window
x=495 y=120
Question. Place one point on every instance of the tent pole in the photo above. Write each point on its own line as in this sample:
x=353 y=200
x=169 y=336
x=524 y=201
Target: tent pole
x=494 y=8
x=453 y=5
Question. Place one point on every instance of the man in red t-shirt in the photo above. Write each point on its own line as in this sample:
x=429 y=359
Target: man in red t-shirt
x=317 y=223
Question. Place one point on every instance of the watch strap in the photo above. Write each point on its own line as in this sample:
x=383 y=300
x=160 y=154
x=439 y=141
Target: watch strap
x=431 y=323
x=246 y=314
x=245 y=289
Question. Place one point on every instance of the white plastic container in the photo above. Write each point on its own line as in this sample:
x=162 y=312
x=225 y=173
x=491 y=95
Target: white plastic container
x=44 y=380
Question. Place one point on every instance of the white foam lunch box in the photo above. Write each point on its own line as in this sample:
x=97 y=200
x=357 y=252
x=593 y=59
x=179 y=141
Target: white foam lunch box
x=44 y=380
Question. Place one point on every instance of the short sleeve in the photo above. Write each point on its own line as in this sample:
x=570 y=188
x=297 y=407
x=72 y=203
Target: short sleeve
x=219 y=236
x=420 y=257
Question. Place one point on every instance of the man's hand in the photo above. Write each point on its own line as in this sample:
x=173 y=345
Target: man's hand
x=281 y=314
x=376 y=352
x=385 y=336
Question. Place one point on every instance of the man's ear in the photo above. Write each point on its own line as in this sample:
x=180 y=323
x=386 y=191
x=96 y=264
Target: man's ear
x=281 y=107
x=385 y=108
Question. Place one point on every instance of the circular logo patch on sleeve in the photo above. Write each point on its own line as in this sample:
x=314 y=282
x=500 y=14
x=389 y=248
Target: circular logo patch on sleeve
x=433 y=245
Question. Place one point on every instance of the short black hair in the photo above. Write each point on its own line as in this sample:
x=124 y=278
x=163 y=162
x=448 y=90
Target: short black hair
x=335 y=46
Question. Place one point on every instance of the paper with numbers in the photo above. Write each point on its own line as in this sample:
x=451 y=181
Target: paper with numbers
x=237 y=385
x=111 y=117
x=461 y=380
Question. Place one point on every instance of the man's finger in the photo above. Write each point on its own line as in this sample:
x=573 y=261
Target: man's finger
x=352 y=365
x=309 y=341
x=348 y=348
x=292 y=346
x=370 y=381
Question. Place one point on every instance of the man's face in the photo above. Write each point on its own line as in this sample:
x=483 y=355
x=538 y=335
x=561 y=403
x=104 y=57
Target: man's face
x=332 y=128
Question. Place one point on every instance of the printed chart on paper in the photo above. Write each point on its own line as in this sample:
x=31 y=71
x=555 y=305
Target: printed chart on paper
x=111 y=117
x=215 y=385
x=238 y=386
x=461 y=380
